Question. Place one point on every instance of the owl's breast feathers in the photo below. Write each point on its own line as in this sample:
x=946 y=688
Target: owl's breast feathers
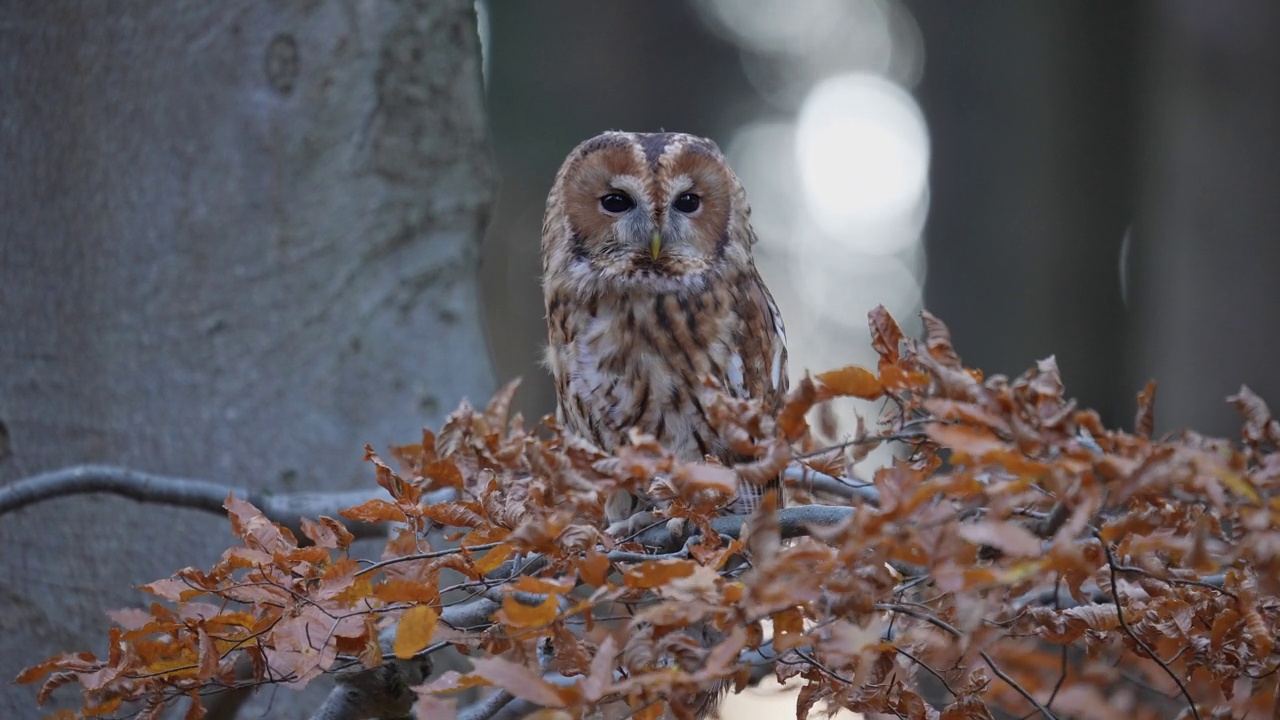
x=627 y=359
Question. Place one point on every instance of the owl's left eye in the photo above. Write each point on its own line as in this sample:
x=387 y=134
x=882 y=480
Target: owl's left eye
x=687 y=203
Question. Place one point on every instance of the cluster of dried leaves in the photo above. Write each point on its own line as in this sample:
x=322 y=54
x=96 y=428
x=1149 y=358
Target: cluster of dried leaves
x=1020 y=557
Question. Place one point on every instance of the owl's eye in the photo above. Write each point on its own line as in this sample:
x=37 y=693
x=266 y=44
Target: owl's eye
x=687 y=203
x=617 y=203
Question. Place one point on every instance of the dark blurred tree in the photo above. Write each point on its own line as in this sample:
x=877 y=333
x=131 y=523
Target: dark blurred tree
x=1031 y=109
x=1207 y=246
x=237 y=241
x=1061 y=128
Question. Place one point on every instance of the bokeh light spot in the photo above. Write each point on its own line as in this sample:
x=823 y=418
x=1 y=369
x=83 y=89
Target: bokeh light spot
x=863 y=152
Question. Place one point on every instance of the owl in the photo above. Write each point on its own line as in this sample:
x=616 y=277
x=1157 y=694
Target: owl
x=650 y=287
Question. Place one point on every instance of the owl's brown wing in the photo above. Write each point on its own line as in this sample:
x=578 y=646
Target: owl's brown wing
x=760 y=343
x=758 y=366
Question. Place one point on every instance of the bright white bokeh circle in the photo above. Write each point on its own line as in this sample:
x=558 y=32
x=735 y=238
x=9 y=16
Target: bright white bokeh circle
x=863 y=152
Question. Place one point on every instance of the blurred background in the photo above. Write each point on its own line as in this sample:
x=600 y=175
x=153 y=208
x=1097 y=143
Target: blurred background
x=1094 y=180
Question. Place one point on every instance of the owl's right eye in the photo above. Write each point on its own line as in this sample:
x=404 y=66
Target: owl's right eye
x=616 y=203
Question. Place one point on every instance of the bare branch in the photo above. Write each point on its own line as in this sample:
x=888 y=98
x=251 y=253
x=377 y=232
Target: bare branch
x=793 y=522
x=522 y=708
x=1013 y=684
x=384 y=691
x=487 y=707
x=812 y=480
x=470 y=615
x=226 y=705
x=287 y=508
x=951 y=630
x=133 y=484
x=426 y=556
x=1124 y=625
x=282 y=508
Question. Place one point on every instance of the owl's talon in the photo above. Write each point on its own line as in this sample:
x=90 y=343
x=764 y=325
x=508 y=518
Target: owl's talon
x=677 y=527
x=629 y=526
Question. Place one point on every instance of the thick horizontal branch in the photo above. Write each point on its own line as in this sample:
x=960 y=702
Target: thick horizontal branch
x=515 y=709
x=490 y=706
x=814 y=481
x=384 y=691
x=282 y=508
x=793 y=522
x=287 y=508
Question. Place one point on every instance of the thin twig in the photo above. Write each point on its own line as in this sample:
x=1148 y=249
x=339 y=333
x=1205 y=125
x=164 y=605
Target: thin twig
x=864 y=440
x=926 y=666
x=1021 y=690
x=821 y=668
x=943 y=625
x=426 y=556
x=1124 y=625
x=810 y=479
x=1208 y=582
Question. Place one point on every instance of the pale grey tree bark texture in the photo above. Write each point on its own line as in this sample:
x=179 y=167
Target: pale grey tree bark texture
x=238 y=240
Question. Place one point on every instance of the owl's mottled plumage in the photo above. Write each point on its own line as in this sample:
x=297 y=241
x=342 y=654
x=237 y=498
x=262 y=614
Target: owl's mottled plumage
x=635 y=322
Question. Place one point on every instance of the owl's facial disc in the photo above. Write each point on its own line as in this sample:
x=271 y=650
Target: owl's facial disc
x=641 y=208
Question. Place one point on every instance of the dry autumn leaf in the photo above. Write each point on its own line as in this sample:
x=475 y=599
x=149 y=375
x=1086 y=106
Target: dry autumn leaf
x=417 y=627
x=518 y=615
x=1006 y=537
x=652 y=573
x=851 y=381
x=375 y=511
x=522 y=682
x=397 y=590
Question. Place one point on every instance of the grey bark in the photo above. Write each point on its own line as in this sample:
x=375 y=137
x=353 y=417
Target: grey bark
x=238 y=241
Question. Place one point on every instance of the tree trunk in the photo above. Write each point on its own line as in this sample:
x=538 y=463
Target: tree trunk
x=1030 y=110
x=1207 y=245
x=238 y=241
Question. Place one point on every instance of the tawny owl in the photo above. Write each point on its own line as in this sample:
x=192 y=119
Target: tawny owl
x=650 y=286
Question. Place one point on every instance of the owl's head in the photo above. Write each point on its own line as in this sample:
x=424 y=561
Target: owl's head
x=660 y=210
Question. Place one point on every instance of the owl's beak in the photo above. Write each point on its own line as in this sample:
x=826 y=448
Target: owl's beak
x=655 y=244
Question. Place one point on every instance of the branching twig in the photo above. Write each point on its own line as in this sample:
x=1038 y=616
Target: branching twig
x=425 y=556
x=1124 y=625
x=793 y=522
x=948 y=628
x=810 y=479
x=926 y=666
x=1210 y=582
x=872 y=440
x=1013 y=684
